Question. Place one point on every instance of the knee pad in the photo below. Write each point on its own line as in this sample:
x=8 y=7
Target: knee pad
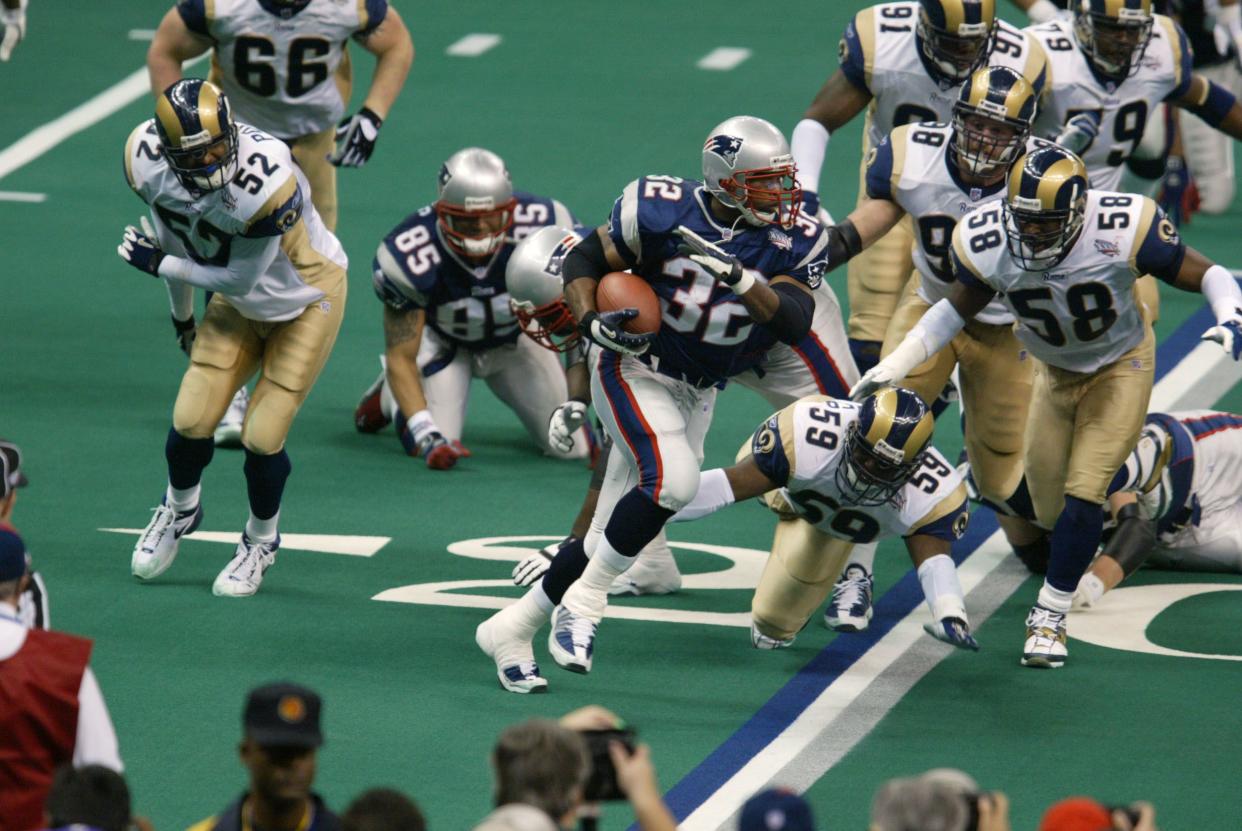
x=677 y=486
x=202 y=400
x=268 y=419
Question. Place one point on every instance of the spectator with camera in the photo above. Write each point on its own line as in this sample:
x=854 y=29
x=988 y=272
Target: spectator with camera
x=943 y=799
x=562 y=768
x=1080 y=813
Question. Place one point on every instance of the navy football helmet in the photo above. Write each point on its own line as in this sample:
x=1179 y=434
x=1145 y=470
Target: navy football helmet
x=1045 y=206
x=885 y=446
x=198 y=134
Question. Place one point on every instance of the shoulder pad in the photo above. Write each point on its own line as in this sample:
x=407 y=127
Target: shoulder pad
x=279 y=213
x=142 y=150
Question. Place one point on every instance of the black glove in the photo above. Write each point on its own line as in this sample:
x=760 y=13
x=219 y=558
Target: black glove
x=186 y=332
x=605 y=329
x=355 y=139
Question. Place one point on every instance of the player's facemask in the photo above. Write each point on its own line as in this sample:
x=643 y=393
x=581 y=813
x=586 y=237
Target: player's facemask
x=475 y=231
x=954 y=55
x=190 y=161
x=1039 y=238
x=872 y=475
x=765 y=196
x=1115 y=46
x=986 y=144
x=552 y=325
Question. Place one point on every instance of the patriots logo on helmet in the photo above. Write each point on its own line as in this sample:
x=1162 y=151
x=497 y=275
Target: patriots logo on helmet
x=444 y=175
x=1107 y=248
x=557 y=258
x=726 y=147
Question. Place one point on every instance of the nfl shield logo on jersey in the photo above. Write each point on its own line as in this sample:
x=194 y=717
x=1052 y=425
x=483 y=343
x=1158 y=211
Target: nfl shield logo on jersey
x=780 y=240
x=725 y=147
x=1107 y=248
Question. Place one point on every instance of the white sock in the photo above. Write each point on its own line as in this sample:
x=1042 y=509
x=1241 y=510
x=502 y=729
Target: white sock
x=863 y=555
x=528 y=614
x=1055 y=599
x=604 y=566
x=262 y=530
x=941 y=589
x=183 y=500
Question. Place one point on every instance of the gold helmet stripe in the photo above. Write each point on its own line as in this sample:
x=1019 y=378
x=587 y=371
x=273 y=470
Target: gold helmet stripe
x=209 y=109
x=885 y=408
x=168 y=120
x=1019 y=94
x=1055 y=176
x=955 y=13
x=919 y=436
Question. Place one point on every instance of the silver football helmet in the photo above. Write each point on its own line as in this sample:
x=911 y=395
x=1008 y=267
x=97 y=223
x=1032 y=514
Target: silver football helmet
x=536 y=293
x=747 y=166
x=474 y=202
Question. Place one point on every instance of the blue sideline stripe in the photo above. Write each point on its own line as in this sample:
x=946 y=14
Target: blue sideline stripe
x=840 y=654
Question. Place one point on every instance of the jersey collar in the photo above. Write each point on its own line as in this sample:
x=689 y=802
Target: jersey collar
x=968 y=189
x=479 y=272
x=727 y=233
x=284 y=12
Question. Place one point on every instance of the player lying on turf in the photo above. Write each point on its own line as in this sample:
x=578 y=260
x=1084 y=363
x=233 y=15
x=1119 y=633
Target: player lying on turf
x=1180 y=502
x=447 y=318
x=838 y=473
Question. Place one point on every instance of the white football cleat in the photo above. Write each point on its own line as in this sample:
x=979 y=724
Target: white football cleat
x=229 y=430
x=1045 y=639
x=572 y=640
x=849 y=610
x=654 y=572
x=157 y=547
x=761 y=641
x=515 y=658
x=244 y=573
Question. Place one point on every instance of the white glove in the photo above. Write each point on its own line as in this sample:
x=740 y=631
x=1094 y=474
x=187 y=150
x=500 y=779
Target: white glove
x=14 y=29
x=876 y=378
x=719 y=263
x=534 y=566
x=1080 y=131
x=564 y=423
x=1228 y=333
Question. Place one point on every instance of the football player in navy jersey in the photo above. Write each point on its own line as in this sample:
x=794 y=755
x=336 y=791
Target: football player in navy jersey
x=734 y=277
x=448 y=319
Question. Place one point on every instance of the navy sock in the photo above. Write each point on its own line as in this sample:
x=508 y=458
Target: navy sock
x=186 y=459
x=567 y=566
x=265 y=482
x=1075 y=539
x=635 y=521
x=866 y=353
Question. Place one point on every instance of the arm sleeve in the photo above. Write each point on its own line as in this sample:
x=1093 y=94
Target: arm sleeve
x=96 y=740
x=1160 y=247
x=880 y=168
x=713 y=494
x=194 y=16
x=794 y=311
x=249 y=259
x=180 y=299
x=1183 y=59
x=851 y=55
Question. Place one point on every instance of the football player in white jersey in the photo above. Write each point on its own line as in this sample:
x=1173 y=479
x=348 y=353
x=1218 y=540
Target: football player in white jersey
x=286 y=70
x=13 y=18
x=228 y=214
x=1180 y=501
x=440 y=274
x=903 y=62
x=1065 y=259
x=935 y=174
x=840 y=473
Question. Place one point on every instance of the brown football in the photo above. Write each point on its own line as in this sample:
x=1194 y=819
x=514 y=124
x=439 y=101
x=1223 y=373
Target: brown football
x=622 y=290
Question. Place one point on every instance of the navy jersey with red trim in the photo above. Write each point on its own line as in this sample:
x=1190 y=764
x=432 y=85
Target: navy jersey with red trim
x=468 y=305
x=706 y=335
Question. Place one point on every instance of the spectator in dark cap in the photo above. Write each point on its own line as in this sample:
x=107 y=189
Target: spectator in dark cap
x=51 y=709
x=93 y=797
x=280 y=737
x=32 y=606
x=776 y=809
x=383 y=809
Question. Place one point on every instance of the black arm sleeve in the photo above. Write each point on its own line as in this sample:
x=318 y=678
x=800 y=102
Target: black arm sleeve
x=843 y=243
x=586 y=259
x=792 y=319
x=1133 y=540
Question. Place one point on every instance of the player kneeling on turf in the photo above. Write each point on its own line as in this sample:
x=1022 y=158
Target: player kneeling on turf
x=840 y=473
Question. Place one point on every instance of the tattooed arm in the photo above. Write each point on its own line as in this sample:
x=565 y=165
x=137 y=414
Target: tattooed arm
x=403 y=333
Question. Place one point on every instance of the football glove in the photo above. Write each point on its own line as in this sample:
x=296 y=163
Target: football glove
x=1228 y=334
x=719 y=263
x=1079 y=132
x=355 y=139
x=878 y=377
x=604 y=328
x=1179 y=197
x=534 y=566
x=421 y=438
x=953 y=631
x=140 y=249
x=564 y=423
x=186 y=332
x=14 y=21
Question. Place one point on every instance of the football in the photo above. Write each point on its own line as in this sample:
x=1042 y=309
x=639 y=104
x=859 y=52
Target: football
x=622 y=290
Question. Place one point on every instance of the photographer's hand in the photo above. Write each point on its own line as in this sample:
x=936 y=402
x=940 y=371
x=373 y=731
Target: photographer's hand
x=636 y=777
x=1146 y=818
x=993 y=811
x=591 y=717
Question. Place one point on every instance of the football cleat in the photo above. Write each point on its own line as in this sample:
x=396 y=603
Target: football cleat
x=572 y=640
x=954 y=631
x=1045 y=639
x=515 y=658
x=229 y=430
x=761 y=641
x=242 y=576
x=369 y=415
x=654 y=572
x=157 y=547
x=849 y=609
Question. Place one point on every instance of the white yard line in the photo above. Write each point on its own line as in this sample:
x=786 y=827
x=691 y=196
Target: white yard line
x=723 y=58
x=473 y=45
x=19 y=196
x=142 y=34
